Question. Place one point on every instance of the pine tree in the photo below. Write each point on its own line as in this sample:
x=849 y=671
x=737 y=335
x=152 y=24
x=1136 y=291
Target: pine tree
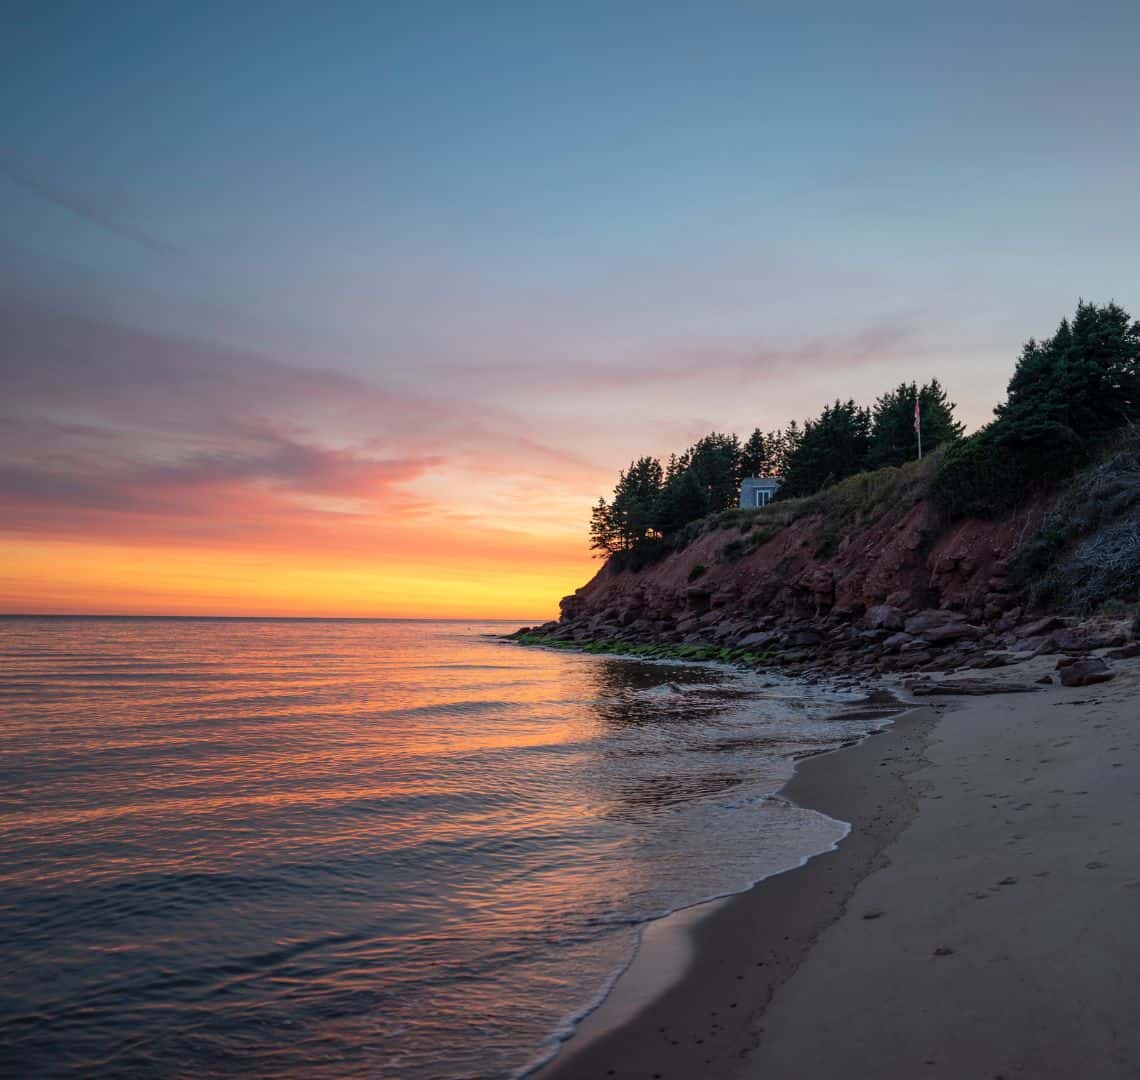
x=682 y=500
x=893 y=438
x=1086 y=377
x=754 y=460
x=715 y=462
x=830 y=448
x=629 y=519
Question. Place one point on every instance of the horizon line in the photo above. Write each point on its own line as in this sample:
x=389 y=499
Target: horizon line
x=261 y=618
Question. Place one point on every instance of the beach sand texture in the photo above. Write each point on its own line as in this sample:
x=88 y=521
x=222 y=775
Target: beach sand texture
x=982 y=920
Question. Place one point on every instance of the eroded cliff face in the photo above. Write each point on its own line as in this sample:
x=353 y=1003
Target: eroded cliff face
x=904 y=561
x=898 y=593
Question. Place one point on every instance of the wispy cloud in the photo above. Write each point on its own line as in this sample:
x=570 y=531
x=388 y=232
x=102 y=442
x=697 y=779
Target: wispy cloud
x=108 y=430
x=82 y=206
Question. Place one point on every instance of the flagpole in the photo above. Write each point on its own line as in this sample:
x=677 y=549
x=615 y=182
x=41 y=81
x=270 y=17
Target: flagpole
x=918 y=423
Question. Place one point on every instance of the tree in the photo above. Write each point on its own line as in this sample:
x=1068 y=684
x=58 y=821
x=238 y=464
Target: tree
x=603 y=531
x=754 y=456
x=715 y=461
x=682 y=499
x=831 y=448
x=629 y=519
x=783 y=444
x=1086 y=377
x=893 y=438
x=1066 y=395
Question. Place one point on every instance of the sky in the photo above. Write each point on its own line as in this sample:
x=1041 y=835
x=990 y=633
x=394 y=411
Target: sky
x=357 y=308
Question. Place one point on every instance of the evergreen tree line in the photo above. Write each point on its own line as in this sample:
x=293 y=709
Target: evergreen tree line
x=1069 y=395
x=651 y=502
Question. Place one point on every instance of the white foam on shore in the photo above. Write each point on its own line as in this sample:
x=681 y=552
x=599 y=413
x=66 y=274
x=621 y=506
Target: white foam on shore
x=663 y=950
x=660 y=958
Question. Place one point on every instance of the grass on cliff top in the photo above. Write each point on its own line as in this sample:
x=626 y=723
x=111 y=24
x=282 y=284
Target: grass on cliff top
x=859 y=500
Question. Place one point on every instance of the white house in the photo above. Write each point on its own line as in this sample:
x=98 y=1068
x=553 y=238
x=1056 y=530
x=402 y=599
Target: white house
x=758 y=491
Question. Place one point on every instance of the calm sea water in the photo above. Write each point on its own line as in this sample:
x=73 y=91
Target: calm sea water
x=385 y=849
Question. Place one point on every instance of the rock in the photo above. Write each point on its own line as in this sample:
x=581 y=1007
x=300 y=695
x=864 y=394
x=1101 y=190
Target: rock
x=926 y=621
x=1124 y=653
x=993 y=660
x=1008 y=621
x=1086 y=672
x=1077 y=640
x=1041 y=627
x=942 y=635
x=761 y=639
x=1136 y=627
x=884 y=617
x=698 y=598
x=799 y=638
x=570 y=605
x=1046 y=679
x=897 y=641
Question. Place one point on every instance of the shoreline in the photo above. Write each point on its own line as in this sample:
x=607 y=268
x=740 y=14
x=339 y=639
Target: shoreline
x=979 y=920
x=739 y=949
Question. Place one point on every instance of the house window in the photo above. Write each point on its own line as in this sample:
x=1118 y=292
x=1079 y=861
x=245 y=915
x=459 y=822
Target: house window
x=763 y=496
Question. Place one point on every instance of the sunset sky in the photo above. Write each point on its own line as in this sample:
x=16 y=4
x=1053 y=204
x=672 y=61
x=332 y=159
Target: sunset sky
x=355 y=309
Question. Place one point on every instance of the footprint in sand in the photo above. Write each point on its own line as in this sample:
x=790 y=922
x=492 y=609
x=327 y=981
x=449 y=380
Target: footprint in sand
x=1008 y=881
x=1095 y=864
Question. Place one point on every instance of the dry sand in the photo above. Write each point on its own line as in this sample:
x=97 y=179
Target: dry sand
x=981 y=920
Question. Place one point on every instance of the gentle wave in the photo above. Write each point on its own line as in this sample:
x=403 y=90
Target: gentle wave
x=328 y=849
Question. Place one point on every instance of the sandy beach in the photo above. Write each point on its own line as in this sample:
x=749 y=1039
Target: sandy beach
x=979 y=921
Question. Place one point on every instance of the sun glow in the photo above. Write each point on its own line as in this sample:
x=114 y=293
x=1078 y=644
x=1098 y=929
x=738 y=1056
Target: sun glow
x=71 y=577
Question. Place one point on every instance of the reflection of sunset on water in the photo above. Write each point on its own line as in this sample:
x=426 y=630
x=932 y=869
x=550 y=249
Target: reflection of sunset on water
x=409 y=840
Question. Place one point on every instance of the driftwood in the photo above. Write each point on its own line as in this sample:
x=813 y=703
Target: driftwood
x=970 y=688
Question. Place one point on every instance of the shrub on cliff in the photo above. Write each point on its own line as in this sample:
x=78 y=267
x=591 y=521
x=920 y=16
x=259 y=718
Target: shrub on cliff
x=998 y=467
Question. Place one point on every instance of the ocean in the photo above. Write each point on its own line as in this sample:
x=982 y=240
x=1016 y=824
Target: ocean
x=332 y=848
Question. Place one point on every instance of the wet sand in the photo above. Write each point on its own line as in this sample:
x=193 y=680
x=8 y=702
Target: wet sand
x=705 y=1023
x=981 y=920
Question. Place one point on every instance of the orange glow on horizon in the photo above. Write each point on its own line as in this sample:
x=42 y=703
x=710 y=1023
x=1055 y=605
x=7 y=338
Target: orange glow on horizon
x=69 y=577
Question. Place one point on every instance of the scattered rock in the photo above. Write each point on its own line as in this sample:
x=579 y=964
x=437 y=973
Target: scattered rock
x=799 y=638
x=897 y=641
x=1041 y=627
x=1077 y=640
x=1127 y=652
x=951 y=631
x=925 y=621
x=1086 y=672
